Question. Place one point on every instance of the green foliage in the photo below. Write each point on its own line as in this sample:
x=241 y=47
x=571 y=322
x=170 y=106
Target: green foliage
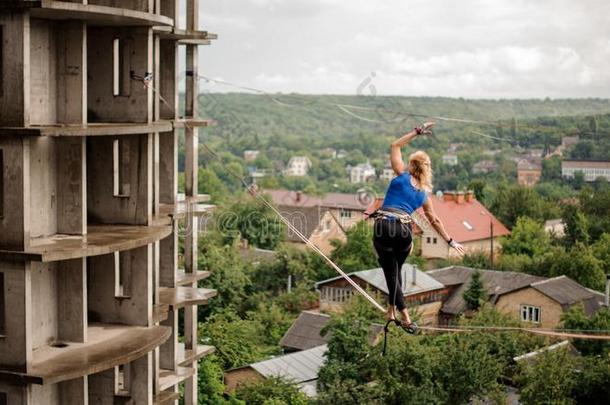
x=592 y=387
x=210 y=383
x=274 y=321
x=511 y=202
x=252 y=220
x=271 y=391
x=475 y=295
x=476 y=260
x=550 y=379
x=527 y=237
x=575 y=318
x=595 y=204
x=357 y=253
x=576 y=226
x=578 y=263
x=238 y=342
x=209 y=183
x=229 y=274
x=601 y=250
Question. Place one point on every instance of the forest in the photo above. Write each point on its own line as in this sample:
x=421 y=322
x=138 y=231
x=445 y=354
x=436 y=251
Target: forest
x=254 y=307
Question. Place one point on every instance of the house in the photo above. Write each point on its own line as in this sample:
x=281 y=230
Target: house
x=347 y=208
x=251 y=155
x=316 y=223
x=466 y=220
x=419 y=289
x=341 y=154
x=388 y=173
x=569 y=141
x=298 y=166
x=450 y=159
x=454 y=147
x=328 y=153
x=300 y=368
x=484 y=166
x=530 y=299
x=591 y=169
x=362 y=173
x=555 y=227
x=256 y=174
x=529 y=172
x=306 y=332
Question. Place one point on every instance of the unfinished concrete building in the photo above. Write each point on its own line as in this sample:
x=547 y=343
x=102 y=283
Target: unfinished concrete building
x=90 y=216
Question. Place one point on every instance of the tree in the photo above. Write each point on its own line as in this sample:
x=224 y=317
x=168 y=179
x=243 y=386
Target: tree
x=551 y=169
x=475 y=295
x=578 y=263
x=238 y=342
x=575 y=318
x=576 y=226
x=511 y=202
x=210 y=383
x=527 y=237
x=357 y=252
x=271 y=391
x=229 y=274
x=601 y=250
x=549 y=380
x=252 y=220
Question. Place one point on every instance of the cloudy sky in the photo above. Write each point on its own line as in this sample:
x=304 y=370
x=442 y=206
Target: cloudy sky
x=465 y=48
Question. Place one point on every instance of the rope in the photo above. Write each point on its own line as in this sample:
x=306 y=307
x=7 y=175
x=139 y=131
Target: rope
x=147 y=79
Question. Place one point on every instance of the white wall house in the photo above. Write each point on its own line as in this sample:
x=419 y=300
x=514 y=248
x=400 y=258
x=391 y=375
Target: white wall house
x=450 y=160
x=298 y=166
x=592 y=169
x=387 y=174
x=362 y=173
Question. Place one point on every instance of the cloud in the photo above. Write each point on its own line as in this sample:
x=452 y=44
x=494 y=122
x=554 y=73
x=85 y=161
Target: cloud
x=471 y=48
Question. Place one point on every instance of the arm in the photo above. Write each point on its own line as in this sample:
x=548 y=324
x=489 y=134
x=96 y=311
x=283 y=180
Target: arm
x=439 y=227
x=396 y=155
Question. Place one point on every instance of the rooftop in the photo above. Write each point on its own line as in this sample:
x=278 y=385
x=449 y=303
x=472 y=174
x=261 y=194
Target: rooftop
x=415 y=281
x=289 y=198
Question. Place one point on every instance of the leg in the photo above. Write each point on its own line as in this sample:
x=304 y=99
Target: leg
x=387 y=262
x=400 y=302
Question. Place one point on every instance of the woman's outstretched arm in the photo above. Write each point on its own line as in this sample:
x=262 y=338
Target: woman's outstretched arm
x=396 y=155
x=440 y=228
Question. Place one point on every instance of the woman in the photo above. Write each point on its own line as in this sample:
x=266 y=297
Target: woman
x=392 y=231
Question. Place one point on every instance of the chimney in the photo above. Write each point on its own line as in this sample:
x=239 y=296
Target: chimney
x=607 y=290
x=470 y=196
x=299 y=196
x=448 y=196
x=459 y=197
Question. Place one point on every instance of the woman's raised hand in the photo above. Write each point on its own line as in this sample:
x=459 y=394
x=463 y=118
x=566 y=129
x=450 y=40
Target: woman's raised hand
x=427 y=127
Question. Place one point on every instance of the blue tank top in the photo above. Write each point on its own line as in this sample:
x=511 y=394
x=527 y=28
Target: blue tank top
x=403 y=195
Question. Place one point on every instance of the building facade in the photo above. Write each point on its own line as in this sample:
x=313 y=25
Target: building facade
x=90 y=288
x=298 y=166
x=529 y=172
x=591 y=169
x=362 y=173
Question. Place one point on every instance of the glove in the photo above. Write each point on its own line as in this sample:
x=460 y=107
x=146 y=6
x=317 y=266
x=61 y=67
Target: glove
x=457 y=246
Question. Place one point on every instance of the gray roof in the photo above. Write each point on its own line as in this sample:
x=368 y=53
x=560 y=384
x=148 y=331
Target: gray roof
x=306 y=331
x=304 y=219
x=566 y=292
x=496 y=283
x=415 y=281
x=298 y=367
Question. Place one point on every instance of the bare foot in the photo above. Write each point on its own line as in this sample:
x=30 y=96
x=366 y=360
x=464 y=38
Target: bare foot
x=390 y=315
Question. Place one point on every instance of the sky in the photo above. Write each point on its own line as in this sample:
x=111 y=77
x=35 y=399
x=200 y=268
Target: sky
x=453 y=48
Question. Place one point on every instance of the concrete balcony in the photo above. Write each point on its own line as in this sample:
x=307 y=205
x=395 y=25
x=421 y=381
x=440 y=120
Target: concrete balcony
x=100 y=240
x=93 y=14
x=107 y=346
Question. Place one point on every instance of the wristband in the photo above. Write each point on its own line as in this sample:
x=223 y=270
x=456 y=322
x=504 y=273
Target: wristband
x=418 y=130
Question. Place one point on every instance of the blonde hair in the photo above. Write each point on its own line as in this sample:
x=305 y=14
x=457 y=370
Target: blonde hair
x=421 y=170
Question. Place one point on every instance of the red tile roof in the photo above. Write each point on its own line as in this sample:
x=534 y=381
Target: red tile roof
x=466 y=221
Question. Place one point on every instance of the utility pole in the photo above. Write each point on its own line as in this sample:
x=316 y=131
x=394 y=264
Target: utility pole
x=491 y=253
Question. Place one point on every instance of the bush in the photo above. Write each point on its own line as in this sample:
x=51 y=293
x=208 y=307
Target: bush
x=271 y=391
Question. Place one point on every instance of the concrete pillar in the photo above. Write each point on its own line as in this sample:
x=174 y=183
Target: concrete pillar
x=15 y=219
x=72 y=185
x=72 y=72
x=15 y=84
x=17 y=344
x=74 y=392
x=168 y=167
x=168 y=258
x=72 y=300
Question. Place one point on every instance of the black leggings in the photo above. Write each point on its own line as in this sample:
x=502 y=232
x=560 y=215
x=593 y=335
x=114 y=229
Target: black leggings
x=392 y=240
